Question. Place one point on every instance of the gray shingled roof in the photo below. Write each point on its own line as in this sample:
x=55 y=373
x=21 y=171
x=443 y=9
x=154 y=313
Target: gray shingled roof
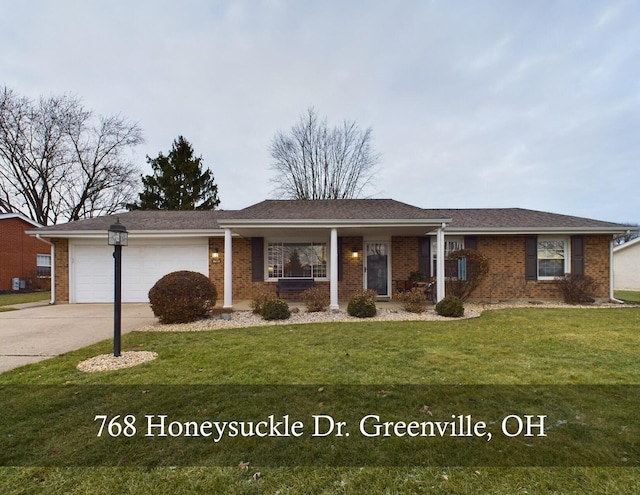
x=146 y=220
x=512 y=218
x=337 y=209
x=346 y=209
x=388 y=209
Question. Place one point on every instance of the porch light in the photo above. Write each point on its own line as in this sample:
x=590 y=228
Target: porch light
x=118 y=237
x=215 y=255
x=354 y=253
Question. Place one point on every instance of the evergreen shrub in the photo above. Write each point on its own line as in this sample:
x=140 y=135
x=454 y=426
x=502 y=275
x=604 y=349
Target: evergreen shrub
x=363 y=305
x=275 y=309
x=182 y=297
x=450 y=306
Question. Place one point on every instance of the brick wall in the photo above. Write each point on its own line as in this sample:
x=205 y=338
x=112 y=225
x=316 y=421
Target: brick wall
x=61 y=268
x=404 y=257
x=506 y=279
x=18 y=251
x=352 y=268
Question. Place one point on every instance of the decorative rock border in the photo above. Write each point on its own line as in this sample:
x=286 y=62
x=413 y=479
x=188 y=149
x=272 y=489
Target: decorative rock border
x=108 y=362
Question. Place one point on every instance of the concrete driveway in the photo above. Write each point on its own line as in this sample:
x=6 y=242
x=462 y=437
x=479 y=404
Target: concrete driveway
x=36 y=333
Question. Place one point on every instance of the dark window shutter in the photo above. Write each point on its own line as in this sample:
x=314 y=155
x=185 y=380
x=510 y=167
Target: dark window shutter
x=531 y=257
x=470 y=242
x=257 y=259
x=340 y=259
x=424 y=255
x=577 y=255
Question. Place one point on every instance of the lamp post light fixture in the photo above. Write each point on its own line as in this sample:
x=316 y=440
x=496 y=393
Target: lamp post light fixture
x=118 y=237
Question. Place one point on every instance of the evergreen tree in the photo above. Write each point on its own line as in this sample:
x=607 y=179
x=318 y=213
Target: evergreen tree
x=178 y=182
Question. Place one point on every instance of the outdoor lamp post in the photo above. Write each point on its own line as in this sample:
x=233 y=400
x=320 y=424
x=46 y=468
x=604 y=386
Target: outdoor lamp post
x=118 y=237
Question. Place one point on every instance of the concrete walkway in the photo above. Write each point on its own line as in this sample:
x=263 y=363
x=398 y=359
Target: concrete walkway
x=41 y=331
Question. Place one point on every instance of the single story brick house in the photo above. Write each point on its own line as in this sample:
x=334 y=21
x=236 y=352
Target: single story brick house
x=626 y=265
x=22 y=257
x=343 y=245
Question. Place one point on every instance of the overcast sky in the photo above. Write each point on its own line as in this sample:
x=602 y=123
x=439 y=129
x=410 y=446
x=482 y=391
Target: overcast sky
x=473 y=103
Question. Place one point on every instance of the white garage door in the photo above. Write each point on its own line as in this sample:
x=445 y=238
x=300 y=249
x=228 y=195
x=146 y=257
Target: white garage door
x=91 y=270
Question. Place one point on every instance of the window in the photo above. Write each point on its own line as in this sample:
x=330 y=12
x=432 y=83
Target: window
x=451 y=244
x=552 y=257
x=297 y=260
x=43 y=265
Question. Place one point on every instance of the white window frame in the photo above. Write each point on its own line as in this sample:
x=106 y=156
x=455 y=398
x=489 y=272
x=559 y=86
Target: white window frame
x=315 y=241
x=567 y=255
x=42 y=256
x=449 y=247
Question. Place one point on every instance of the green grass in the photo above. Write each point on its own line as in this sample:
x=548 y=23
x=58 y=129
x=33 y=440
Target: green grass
x=629 y=296
x=23 y=297
x=523 y=347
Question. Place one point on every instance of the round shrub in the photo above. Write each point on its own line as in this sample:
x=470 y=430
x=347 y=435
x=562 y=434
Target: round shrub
x=275 y=309
x=450 y=306
x=182 y=297
x=362 y=305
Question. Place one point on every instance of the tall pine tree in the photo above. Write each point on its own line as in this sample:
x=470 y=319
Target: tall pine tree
x=178 y=182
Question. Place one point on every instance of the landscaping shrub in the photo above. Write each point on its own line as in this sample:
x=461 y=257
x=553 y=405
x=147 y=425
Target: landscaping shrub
x=258 y=301
x=315 y=300
x=182 y=297
x=577 y=289
x=363 y=305
x=275 y=309
x=450 y=306
x=466 y=269
x=414 y=300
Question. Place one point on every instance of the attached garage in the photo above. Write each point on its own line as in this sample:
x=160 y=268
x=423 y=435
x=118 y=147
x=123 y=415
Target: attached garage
x=144 y=261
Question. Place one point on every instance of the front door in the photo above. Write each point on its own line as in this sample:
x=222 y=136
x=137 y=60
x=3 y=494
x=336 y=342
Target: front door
x=377 y=267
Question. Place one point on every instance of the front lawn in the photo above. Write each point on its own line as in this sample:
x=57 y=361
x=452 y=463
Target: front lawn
x=9 y=299
x=554 y=357
x=629 y=296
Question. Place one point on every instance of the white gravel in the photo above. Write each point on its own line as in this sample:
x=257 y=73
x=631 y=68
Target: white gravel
x=108 y=362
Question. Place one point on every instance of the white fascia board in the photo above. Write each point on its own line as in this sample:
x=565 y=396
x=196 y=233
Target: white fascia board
x=535 y=230
x=137 y=234
x=332 y=223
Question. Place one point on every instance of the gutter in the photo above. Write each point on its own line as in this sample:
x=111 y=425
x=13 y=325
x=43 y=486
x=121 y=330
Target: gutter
x=613 y=299
x=53 y=268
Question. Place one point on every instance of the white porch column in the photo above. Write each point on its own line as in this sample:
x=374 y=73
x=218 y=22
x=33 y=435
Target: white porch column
x=228 y=270
x=333 y=271
x=440 y=263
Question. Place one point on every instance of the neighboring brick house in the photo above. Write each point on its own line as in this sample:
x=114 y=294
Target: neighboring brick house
x=343 y=245
x=22 y=257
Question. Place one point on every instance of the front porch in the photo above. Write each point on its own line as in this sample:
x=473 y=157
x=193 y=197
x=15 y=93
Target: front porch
x=340 y=260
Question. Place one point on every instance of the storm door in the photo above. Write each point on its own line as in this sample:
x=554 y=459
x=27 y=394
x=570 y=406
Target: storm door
x=377 y=267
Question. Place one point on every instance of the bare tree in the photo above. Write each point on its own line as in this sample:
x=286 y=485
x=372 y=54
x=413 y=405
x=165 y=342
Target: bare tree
x=314 y=161
x=629 y=235
x=60 y=163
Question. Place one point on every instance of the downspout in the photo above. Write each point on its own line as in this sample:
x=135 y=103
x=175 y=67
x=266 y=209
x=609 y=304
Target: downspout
x=53 y=269
x=611 y=298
